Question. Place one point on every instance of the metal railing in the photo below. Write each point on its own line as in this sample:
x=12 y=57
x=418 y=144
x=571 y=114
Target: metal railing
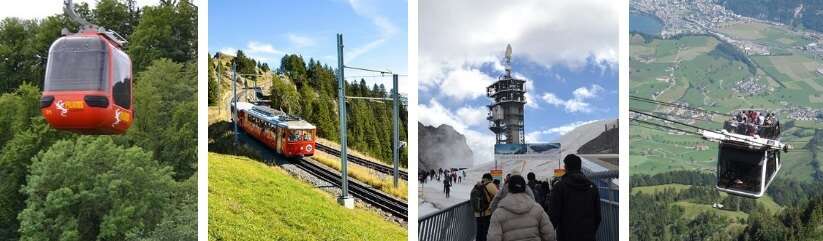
x=453 y=223
x=609 y=205
x=458 y=223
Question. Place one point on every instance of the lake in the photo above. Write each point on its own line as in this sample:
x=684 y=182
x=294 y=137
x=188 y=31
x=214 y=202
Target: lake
x=644 y=23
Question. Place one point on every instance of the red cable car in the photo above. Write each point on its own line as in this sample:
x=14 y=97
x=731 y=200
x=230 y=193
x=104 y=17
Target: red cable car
x=88 y=84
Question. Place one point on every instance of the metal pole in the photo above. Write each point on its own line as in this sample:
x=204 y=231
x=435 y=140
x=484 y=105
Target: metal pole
x=341 y=102
x=219 y=97
x=234 y=99
x=396 y=127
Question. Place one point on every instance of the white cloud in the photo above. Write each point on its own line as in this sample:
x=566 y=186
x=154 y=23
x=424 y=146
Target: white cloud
x=553 y=99
x=479 y=142
x=261 y=48
x=531 y=102
x=228 y=50
x=578 y=102
x=473 y=116
x=465 y=84
x=300 y=41
x=546 y=32
x=436 y=114
x=536 y=136
x=585 y=93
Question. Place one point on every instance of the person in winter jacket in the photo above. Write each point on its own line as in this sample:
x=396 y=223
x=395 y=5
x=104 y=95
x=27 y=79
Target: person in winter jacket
x=518 y=217
x=483 y=218
x=575 y=204
x=535 y=186
x=505 y=191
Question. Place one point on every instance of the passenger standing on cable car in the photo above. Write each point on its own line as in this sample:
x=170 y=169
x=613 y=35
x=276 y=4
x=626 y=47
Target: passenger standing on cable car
x=575 y=204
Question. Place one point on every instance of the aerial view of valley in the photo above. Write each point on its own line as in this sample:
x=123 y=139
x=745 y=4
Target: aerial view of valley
x=694 y=65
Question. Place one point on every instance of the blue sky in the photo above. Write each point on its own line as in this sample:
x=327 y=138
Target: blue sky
x=569 y=61
x=374 y=32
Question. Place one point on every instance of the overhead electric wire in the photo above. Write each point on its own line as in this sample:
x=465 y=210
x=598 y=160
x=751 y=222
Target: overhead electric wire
x=665 y=127
x=663 y=103
x=684 y=124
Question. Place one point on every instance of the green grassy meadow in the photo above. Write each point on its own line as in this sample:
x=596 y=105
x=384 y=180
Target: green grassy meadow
x=249 y=200
x=691 y=70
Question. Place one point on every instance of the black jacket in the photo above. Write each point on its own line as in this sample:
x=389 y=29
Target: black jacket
x=575 y=208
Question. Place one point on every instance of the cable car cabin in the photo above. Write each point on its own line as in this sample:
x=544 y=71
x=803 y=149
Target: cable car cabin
x=88 y=85
x=748 y=159
x=287 y=135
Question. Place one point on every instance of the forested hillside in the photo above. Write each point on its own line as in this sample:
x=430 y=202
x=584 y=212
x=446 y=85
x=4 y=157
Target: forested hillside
x=57 y=185
x=309 y=90
x=794 y=12
x=679 y=206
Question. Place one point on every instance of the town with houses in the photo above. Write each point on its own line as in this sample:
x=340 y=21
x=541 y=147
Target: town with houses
x=708 y=17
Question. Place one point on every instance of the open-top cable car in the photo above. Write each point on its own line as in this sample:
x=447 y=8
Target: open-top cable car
x=88 y=82
x=748 y=158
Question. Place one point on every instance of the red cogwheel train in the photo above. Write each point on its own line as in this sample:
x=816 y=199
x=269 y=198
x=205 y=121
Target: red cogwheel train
x=287 y=135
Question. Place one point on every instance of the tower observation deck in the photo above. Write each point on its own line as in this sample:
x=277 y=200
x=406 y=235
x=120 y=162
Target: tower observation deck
x=506 y=110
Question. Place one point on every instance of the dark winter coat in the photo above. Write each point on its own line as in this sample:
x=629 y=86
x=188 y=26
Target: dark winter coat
x=575 y=208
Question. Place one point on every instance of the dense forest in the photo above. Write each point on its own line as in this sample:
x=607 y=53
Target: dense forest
x=781 y=11
x=57 y=185
x=309 y=90
x=653 y=217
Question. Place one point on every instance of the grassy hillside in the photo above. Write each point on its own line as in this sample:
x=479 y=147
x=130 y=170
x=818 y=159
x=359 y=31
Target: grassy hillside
x=251 y=201
x=697 y=71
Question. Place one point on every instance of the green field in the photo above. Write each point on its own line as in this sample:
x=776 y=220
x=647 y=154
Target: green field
x=691 y=70
x=251 y=201
x=692 y=209
x=778 y=38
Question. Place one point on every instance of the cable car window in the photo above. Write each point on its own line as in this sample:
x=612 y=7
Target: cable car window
x=76 y=63
x=739 y=168
x=771 y=165
x=122 y=80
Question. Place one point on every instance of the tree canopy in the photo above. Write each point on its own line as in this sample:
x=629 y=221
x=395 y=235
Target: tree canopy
x=137 y=186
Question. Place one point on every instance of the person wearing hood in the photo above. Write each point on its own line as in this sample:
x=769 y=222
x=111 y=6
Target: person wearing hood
x=575 y=204
x=505 y=191
x=519 y=217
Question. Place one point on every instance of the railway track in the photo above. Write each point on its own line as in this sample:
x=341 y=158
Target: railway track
x=363 y=162
x=385 y=202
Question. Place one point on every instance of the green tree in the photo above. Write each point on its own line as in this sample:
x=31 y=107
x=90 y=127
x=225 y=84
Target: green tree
x=284 y=96
x=214 y=81
x=92 y=189
x=116 y=15
x=165 y=115
x=168 y=30
x=15 y=158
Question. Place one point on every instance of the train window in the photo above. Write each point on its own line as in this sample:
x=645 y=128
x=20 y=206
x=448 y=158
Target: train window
x=294 y=135
x=740 y=168
x=76 y=63
x=121 y=92
x=307 y=136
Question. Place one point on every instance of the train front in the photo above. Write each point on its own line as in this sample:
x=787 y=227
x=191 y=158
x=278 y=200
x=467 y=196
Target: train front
x=300 y=139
